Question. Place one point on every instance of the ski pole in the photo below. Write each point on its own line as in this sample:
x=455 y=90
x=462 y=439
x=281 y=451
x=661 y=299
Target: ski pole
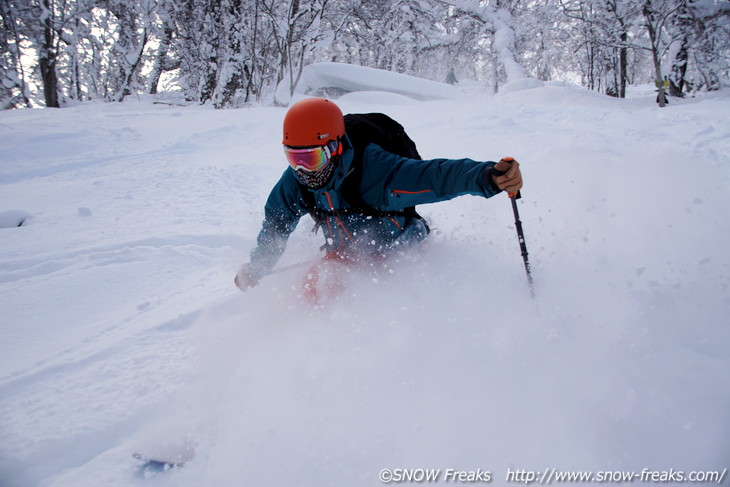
x=518 y=225
x=521 y=237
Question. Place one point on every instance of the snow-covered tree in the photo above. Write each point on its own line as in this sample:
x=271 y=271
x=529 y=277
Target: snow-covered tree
x=13 y=88
x=228 y=52
x=603 y=41
x=298 y=33
x=700 y=54
x=164 y=30
x=132 y=21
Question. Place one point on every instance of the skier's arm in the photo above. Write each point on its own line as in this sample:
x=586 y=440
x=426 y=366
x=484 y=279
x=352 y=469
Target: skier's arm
x=282 y=212
x=413 y=182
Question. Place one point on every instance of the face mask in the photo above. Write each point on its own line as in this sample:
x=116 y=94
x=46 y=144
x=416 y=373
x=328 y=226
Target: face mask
x=313 y=165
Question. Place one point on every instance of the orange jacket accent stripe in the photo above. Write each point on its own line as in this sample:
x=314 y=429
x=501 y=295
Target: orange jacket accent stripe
x=399 y=191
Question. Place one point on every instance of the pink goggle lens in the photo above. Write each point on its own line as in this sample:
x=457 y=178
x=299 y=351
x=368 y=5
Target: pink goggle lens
x=310 y=159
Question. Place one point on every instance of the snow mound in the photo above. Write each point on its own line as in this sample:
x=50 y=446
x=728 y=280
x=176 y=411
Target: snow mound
x=377 y=98
x=336 y=79
x=521 y=85
x=553 y=94
x=13 y=218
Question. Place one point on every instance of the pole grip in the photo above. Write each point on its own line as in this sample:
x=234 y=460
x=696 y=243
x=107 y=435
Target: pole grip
x=497 y=172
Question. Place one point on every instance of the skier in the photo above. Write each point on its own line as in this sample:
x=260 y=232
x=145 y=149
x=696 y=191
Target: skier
x=662 y=89
x=451 y=77
x=377 y=220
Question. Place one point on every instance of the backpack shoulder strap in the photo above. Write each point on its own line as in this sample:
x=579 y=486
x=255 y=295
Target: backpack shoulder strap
x=378 y=128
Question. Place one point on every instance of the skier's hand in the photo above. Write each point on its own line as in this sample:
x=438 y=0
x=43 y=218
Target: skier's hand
x=507 y=176
x=246 y=278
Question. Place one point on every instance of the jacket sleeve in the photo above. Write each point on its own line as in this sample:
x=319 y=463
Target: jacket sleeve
x=393 y=182
x=282 y=212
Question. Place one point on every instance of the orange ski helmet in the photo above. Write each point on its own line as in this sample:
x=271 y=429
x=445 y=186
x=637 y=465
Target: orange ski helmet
x=313 y=121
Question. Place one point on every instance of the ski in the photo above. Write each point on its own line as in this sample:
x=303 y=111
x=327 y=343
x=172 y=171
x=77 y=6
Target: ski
x=152 y=464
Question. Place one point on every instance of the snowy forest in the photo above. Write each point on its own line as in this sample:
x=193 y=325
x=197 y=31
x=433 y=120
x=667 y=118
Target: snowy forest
x=227 y=53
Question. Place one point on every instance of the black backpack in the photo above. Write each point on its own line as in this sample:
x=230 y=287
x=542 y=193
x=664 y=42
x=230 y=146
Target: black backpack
x=364 y=129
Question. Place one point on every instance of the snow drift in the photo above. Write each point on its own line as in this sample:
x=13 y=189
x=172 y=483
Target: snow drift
x=333 y=80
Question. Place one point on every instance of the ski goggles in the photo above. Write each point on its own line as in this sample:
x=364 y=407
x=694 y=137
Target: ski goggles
x=310 y=159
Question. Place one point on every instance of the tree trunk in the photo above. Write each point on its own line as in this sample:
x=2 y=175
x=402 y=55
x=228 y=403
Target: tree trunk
x=287 y=61
x=161 y=62
x=250 y=73
x=591 y=66
x=48 y=59
x=131 y=70
x=623 y=65
x=653 y=37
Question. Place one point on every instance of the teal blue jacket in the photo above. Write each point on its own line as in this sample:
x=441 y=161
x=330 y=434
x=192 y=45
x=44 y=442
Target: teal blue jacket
x=389 y=183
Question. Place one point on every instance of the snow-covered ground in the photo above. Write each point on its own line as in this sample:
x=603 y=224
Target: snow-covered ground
x=121 y=330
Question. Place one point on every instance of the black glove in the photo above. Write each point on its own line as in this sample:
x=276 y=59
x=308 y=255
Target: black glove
x=247 y=277
x=505 y=175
